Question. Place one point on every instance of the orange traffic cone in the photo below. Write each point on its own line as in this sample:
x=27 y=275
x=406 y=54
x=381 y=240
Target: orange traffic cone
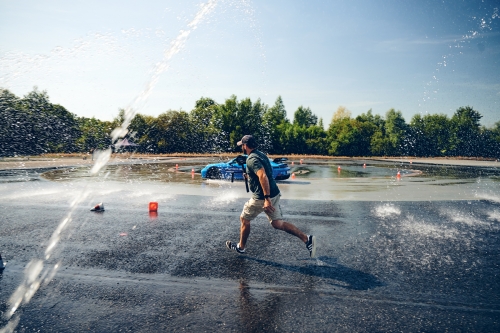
x=293 y=175
x=98 y=208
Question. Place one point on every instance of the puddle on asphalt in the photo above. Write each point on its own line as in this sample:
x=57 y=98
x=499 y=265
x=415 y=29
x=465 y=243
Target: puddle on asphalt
x=150 y=172
x=169 y=172
x=21 y=175
x=319 y=180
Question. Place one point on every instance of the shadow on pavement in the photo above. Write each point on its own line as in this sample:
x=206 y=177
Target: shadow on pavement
x=337 y=275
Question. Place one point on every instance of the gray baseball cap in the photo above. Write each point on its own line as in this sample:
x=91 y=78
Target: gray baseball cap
x=248 y=140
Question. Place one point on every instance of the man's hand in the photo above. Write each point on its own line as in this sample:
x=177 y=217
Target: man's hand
x=264 y=182
x=268 y=206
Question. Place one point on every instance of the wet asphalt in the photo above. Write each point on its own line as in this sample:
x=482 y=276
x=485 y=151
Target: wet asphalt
x=423 y=266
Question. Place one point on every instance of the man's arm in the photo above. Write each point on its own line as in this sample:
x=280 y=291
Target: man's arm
x=264 y=182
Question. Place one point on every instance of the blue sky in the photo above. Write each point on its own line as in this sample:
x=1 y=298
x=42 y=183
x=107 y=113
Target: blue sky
x=94 y=57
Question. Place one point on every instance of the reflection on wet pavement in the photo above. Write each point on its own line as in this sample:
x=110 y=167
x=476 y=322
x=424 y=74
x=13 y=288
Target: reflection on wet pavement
x=355 y=180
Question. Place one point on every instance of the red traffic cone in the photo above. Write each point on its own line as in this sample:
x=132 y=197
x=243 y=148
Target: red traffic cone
x=153 y=206
x=98 y=208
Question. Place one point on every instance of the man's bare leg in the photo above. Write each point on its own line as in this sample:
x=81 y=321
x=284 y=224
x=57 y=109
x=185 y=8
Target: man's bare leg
x=244 y=232
x=289 y=228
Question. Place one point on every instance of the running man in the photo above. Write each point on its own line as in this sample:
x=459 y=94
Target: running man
x=266 y=198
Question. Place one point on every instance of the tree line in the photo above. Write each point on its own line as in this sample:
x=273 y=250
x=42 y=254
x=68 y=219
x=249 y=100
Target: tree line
x=31 y=125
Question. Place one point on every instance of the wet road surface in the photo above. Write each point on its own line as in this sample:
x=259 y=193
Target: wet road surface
x=383 y=265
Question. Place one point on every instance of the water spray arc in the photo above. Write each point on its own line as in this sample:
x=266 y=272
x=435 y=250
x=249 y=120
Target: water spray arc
x=35 y=274
x=175 y=47
x=482 y=25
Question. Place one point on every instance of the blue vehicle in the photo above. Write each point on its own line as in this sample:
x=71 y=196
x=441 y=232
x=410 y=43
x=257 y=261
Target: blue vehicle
x=230 y=169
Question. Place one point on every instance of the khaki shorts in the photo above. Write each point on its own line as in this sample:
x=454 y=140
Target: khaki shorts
x=254 y=207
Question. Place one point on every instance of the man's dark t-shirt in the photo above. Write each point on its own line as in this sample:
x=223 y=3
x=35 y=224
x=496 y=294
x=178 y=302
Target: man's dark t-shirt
x=256 y=161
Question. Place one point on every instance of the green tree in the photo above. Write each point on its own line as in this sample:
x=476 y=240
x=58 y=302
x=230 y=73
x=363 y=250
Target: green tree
x=205 y=129
x=489 y=146
x=203 y=112
x=37 y=126
x=250 y=117
x=304 y=117
x=237 y=118
x=374 y=128
x=275 y=124
x=174 y=132
x=496 y=131
x=303 y=136
x=14 y=131
x=465 y=129
x=143 y=131
x=430 y=135
x=495 y=134
x=349 y=137
x=292 y=138
x=255 y=125
x=226 y=119
x=94 y=134
x=368 y=117
x=495 y=139
x=378 y=143
x=370 y=126
x=316 y=140
x=395 y=131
